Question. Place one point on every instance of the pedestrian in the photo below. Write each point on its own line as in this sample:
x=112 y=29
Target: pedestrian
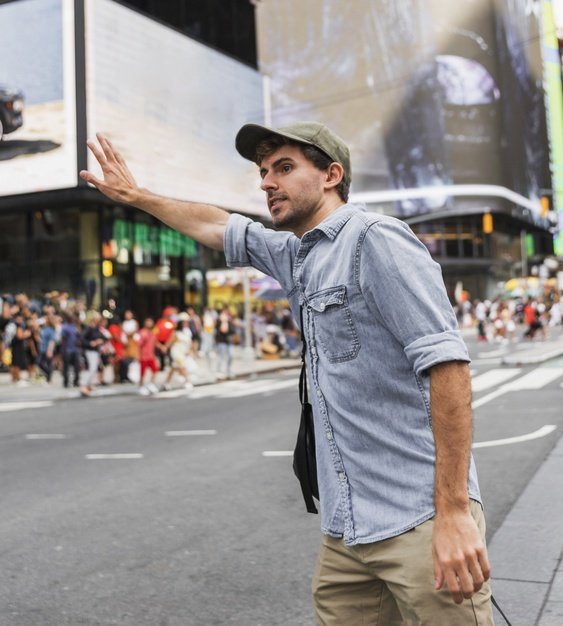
x=70 y=348
x=130 y=327
x=164 y=330
x=92 y=340
x=47 y=345
x=401 y=514
x=207 y=347
x=195 y=328
x=19 y=334
x=224 y=334
x=147 y=356
x=180 y=349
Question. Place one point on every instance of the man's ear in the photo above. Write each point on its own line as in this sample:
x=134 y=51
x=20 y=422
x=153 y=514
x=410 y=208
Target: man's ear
x=334 y=175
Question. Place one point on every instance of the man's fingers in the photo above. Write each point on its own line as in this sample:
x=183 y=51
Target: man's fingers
x=106 y=147
x=484 y=563
x=453 y=587
x=114 y=151
x=90 y=178
x=100 y=157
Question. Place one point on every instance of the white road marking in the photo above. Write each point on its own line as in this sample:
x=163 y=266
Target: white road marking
x=492 y=353
x=492 y=378
x=261 y=387
x=277 y=453
x=534 y=380
x=103 y=457
x=45 y=436
x=189 y=433
x=173 y=393
x=5 y=407
x=542 y=432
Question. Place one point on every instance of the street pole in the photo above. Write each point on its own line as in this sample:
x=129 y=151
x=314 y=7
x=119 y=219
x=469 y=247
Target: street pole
x=248 y=353
x=523 y=253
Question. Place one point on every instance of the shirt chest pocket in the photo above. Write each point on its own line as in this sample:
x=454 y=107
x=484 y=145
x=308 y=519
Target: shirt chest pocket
x=333 y=325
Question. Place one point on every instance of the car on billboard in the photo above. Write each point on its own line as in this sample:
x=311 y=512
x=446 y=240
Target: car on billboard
x=11 y=110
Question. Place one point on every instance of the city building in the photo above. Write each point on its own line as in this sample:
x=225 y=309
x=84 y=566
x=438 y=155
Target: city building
x=170 y=83
x=452 y=112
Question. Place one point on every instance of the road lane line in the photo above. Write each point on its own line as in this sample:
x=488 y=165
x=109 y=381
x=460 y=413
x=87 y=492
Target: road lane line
x=122 y=456
x=542 y=432
x=5 y=407
x=189 y=433
x=492 y=378
x=277 y=453
x=45 y=436
x=536 y=379
x=490 y=396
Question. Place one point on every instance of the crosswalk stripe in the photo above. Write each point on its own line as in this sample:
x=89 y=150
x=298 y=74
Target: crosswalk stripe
x=536 y=379
x=45 y=436
x=542 y=432
x=6 y=407
x=120 y=456
x=492 y=378
x=189 y=433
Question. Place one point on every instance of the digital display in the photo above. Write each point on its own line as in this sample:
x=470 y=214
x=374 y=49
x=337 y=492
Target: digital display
x=428 y=94
x=172 y=106
x=37 y=96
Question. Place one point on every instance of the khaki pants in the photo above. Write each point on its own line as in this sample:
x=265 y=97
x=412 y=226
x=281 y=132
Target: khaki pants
x=391 y=583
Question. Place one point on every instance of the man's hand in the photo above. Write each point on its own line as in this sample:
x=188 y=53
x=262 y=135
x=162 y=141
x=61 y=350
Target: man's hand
x=118 y=182
x=459 y=555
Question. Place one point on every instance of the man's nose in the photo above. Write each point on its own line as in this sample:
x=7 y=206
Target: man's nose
x=268 y=182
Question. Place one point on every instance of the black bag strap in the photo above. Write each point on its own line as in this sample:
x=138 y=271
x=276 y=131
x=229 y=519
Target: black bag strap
x=495 y=604
x=303 y=394
x=304 y=462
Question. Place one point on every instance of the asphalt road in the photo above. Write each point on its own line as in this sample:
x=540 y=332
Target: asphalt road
x=201 y=528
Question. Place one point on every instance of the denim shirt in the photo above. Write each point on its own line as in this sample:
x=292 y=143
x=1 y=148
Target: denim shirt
x=376 y=318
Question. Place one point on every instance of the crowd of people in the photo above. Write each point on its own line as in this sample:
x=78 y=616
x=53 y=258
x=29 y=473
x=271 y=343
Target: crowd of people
x=92 y=347
x=505 y=320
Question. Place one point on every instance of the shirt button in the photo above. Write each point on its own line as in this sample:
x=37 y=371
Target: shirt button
x=329 y=436
x=341 y=476
x=322 y=306
x=319 y=393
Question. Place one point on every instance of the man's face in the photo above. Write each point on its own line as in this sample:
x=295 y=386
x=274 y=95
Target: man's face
x=293 y=186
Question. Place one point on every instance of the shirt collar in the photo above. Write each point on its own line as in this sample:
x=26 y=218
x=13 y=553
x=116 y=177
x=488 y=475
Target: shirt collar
x=334 y=223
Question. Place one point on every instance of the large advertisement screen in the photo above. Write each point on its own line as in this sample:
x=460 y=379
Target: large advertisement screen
x=37 y=96
x=172 y=106
x=444 y=97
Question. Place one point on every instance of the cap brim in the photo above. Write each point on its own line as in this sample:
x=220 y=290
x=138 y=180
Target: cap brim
x=250 y=135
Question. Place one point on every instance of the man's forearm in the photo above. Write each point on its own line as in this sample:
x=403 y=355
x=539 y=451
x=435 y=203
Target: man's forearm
x=458 y=549
x=450 y=399
x=203 y=222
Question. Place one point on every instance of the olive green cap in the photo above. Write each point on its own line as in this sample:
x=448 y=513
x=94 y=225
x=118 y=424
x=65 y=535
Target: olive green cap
x=310 y=133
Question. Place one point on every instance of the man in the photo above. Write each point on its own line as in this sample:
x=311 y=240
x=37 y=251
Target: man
x=403 y=528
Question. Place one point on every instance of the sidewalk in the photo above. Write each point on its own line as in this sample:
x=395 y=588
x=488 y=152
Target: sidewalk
x=41 y=391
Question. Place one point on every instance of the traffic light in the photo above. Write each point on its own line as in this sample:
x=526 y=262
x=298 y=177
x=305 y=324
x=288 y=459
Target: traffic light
x=487 y=223
x=107 y=268
x=545 y=205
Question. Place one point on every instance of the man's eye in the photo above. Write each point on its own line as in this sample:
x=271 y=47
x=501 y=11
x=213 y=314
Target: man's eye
x=286 y=168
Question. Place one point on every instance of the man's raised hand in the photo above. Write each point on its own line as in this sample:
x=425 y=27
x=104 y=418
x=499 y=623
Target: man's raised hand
x=118 y=182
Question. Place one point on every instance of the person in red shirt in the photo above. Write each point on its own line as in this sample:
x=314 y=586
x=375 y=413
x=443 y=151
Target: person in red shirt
x=147 y=346
x=164 y=330
x=118 y=342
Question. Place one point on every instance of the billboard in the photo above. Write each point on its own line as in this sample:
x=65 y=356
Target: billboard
x=37 y=96
x=172 y=106
x=429 y=95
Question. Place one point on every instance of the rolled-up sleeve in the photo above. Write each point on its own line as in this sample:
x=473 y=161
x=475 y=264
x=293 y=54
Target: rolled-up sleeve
x=403 y=287
x=249 y=243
